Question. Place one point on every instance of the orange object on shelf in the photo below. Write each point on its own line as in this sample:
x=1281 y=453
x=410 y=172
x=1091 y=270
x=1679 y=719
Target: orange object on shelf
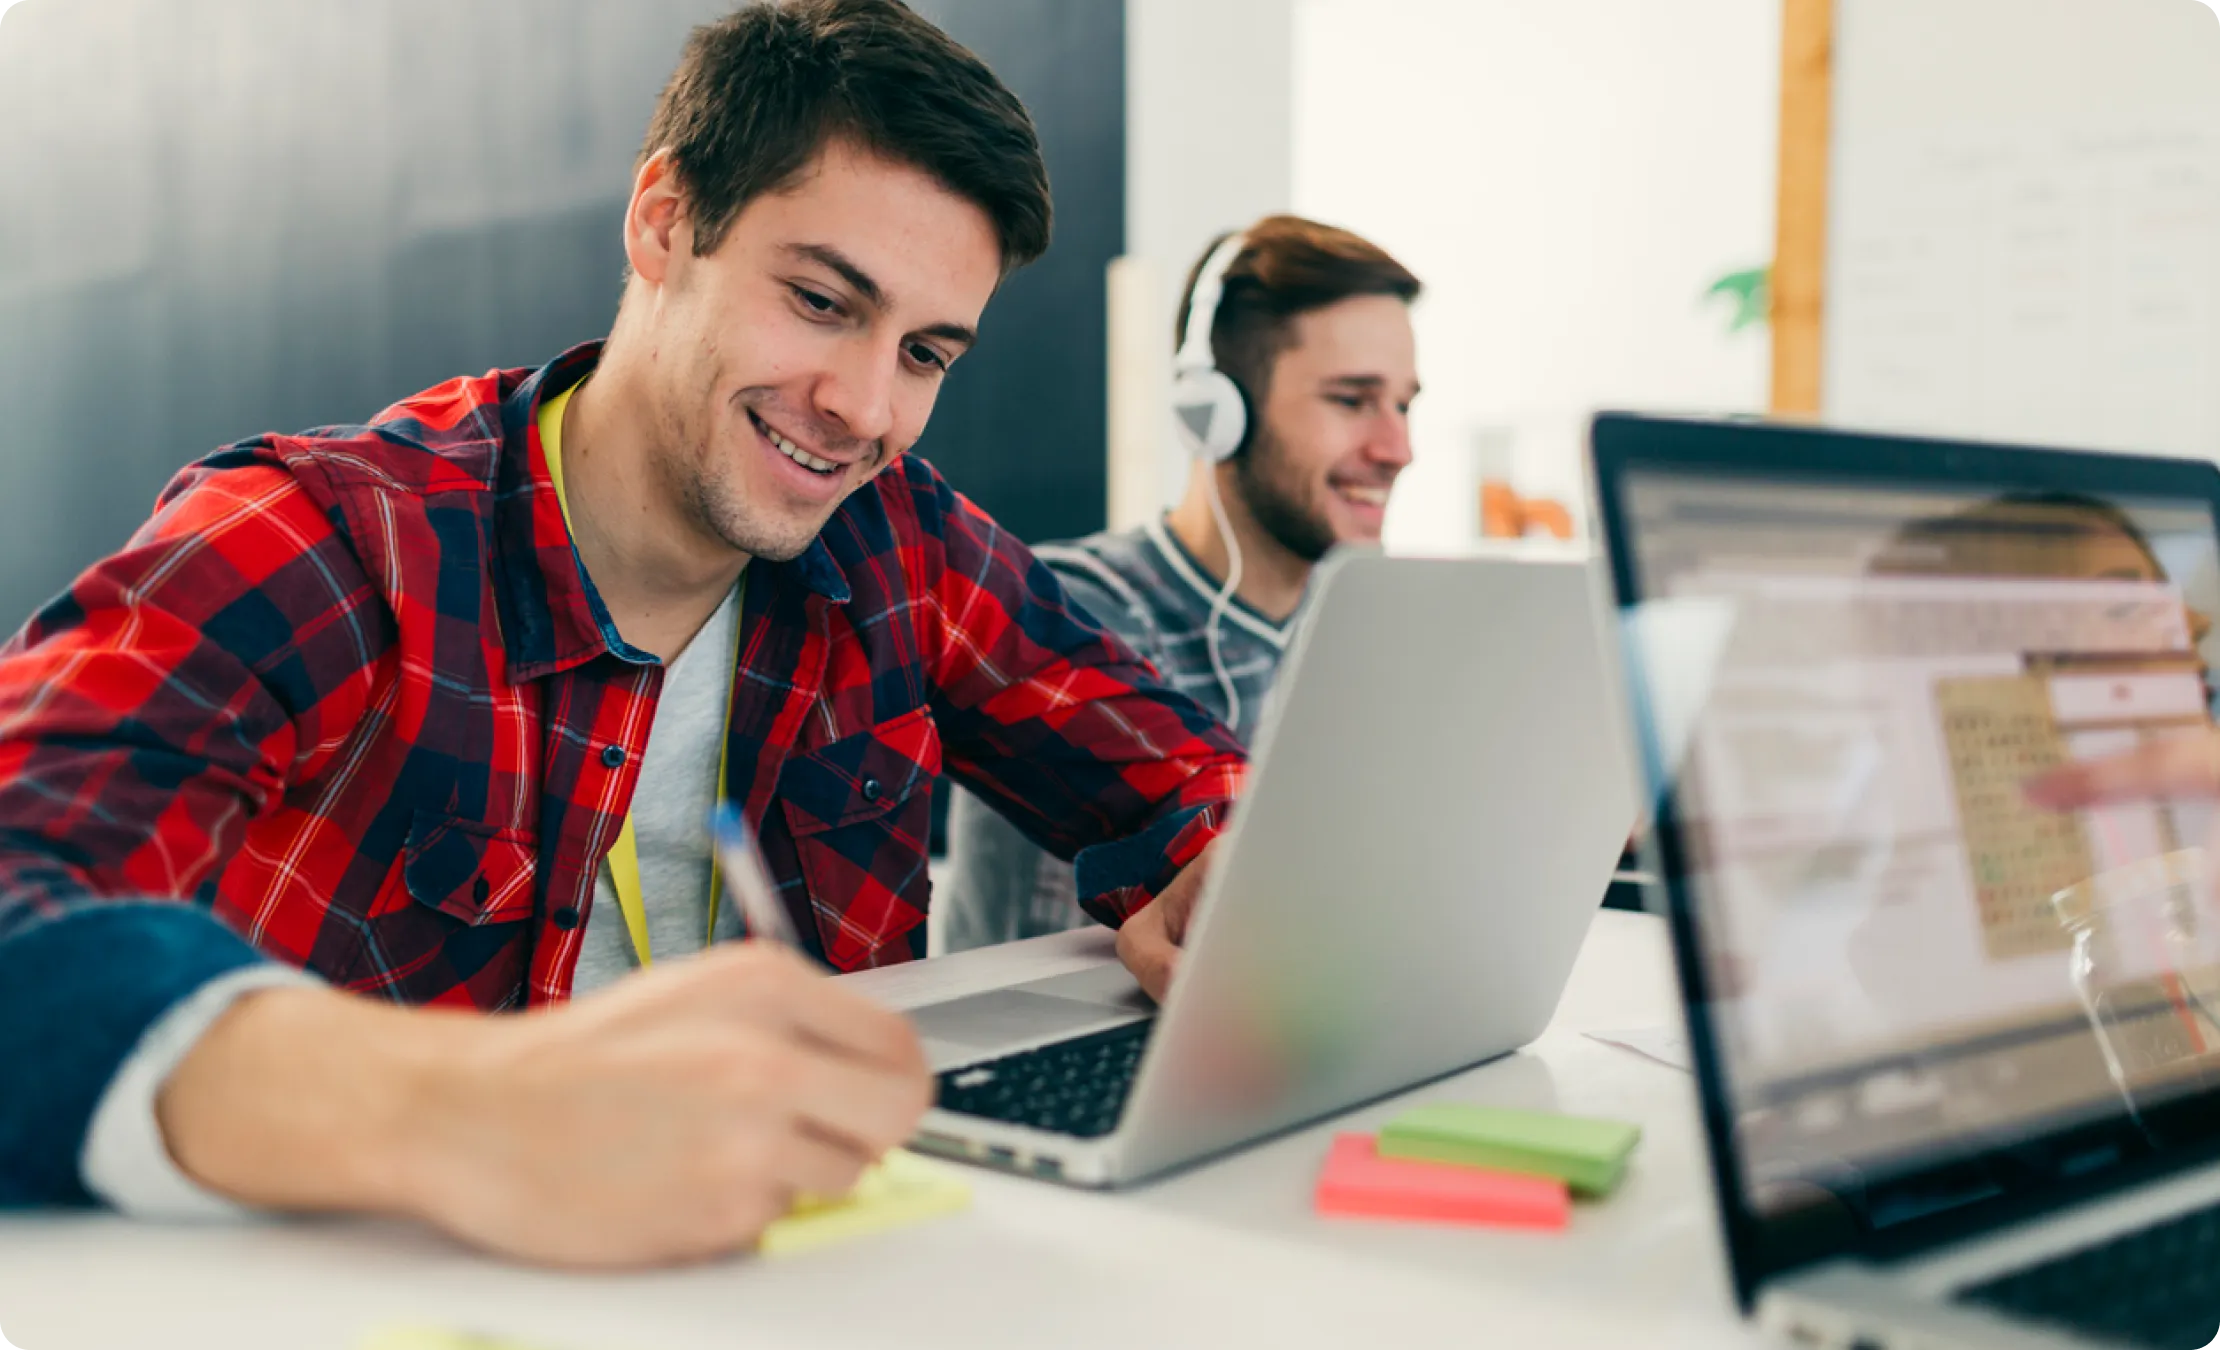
x=1504 y=514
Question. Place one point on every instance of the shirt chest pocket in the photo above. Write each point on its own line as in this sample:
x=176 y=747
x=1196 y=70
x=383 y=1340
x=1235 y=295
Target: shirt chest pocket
x=449 y=925
x=860 y=810
x=468 y=871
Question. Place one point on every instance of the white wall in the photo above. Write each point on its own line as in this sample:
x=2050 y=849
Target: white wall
x=2024 y=250
x=1209 y=147
x=1567 y=177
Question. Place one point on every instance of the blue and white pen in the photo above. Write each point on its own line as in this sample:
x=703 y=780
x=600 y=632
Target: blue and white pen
x=747 y=880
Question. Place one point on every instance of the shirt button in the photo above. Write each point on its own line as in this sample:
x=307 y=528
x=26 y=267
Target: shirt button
x=566 y=918
x=612 y=757
x=871 y=790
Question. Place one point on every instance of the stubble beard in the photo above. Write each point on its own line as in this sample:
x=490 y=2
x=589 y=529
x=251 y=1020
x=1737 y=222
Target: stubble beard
x=711 y=491
x=1278 y=509
x=720 y=509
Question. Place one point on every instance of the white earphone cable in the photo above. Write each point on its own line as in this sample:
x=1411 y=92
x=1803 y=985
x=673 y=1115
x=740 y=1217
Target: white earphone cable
x=1223 y=602
x=1197 y=361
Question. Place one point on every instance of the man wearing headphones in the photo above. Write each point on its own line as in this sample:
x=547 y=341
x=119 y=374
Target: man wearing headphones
x=1293 y=384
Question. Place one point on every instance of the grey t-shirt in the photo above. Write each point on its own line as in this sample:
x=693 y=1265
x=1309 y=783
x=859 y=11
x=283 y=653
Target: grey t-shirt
x=671 y=805
x=1144 y=586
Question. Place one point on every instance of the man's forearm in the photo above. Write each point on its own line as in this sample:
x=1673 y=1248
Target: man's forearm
x=667 y=1118
x=312 y=1100
x=125 y=1163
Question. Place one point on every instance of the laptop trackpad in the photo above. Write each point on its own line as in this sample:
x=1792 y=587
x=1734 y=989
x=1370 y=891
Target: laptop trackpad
x=1005 y=1019
x=1107 y=985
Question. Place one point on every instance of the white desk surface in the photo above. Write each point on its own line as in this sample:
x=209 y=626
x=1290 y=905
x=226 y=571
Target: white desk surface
x=1225 y=1255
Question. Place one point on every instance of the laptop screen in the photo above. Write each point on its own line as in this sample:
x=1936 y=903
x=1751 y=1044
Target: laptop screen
x=1845 y=679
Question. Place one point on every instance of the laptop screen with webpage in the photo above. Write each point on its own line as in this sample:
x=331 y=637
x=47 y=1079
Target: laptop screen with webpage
x=1917 y=992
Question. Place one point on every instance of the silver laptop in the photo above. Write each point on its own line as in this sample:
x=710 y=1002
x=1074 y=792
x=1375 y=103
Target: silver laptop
x=1959 y=1058
x=1440 y=790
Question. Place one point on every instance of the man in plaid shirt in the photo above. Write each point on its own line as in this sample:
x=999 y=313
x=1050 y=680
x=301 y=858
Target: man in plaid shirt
x=331 y=756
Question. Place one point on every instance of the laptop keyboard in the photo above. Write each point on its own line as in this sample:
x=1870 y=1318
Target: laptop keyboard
x=1076 y=1087
x=2157 y=1287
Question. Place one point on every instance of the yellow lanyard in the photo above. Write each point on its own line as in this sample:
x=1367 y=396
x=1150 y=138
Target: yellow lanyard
x=624 y=855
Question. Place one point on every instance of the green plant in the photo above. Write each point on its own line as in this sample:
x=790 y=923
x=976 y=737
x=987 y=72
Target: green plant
x=1751 y=294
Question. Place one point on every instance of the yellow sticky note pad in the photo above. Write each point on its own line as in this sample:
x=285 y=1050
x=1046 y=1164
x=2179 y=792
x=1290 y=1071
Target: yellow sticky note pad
x=899 y=1189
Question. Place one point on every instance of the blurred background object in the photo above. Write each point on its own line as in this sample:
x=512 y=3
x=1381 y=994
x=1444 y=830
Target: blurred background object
x=1504 y=514
x=1748 y=295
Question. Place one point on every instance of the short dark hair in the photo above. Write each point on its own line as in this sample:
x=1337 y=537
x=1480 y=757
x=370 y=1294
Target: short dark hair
x=759 y=93
x=1287 y=266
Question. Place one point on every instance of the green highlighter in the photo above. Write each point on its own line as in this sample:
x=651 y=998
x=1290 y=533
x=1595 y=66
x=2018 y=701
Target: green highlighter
x=1587 y=1155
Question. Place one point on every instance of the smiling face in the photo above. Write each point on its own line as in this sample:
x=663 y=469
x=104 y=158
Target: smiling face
x=794 y=363
x=1334 y=429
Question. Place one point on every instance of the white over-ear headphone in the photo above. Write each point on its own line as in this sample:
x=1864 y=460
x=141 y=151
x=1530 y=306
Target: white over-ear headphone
x=1212 y=415
x=1208 y=407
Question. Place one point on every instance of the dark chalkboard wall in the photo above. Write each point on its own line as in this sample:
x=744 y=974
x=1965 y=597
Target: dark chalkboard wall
x=220 y=217
x=1022 y=426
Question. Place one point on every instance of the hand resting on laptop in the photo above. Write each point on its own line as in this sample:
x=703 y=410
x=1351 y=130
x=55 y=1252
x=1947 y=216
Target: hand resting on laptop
x=1149 y=942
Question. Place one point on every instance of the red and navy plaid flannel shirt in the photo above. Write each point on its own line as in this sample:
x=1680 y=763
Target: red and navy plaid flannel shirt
x=352 y=692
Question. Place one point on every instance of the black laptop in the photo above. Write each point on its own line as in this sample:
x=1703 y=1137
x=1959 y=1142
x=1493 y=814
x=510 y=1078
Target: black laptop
x=1959 y=1056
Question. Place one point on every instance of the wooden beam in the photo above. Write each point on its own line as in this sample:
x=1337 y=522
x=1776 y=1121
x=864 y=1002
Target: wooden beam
x=1800 y=254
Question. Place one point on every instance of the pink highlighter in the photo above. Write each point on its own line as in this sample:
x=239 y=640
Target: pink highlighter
x=1357 y=1182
